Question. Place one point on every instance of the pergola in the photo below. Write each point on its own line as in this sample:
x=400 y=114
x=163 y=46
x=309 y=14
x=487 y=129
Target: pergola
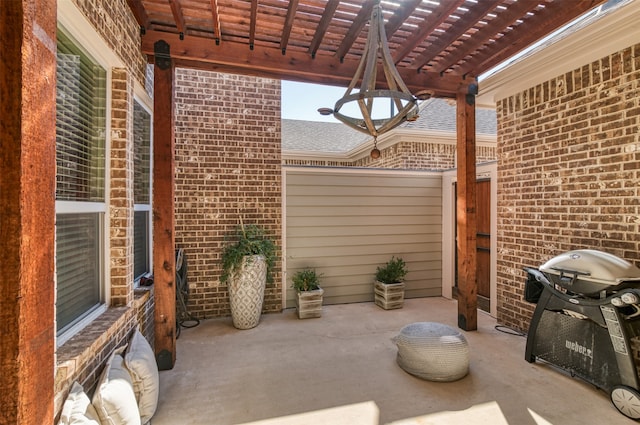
x=438 y=47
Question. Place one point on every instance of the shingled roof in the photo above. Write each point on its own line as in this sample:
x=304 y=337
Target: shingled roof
x=437 y=115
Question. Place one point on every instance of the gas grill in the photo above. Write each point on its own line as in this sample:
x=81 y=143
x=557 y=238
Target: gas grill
x=587 y=313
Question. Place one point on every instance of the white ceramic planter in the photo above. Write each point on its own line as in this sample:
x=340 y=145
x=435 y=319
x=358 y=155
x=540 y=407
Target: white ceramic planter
x=389 y=295
x=309 y=303
x=246 y=292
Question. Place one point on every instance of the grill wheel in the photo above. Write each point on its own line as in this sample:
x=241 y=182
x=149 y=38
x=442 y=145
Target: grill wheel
x=627 y=401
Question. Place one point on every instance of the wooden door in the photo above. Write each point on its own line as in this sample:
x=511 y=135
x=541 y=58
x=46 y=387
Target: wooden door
x=483 y=244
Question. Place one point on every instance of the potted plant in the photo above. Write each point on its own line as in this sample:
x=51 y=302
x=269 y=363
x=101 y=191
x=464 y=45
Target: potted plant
x=306 y=282
x=247 y=266
x=389 y=285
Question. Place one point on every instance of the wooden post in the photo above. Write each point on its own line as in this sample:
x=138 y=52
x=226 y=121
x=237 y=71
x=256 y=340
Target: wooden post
x=164 y=262
x=466 y=209
x=27 y=202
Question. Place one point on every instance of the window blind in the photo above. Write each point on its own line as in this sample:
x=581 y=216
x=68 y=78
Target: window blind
x=141 y=153
x=140 y=243
x=80 y=124
x=80 y=177
x=77 y=266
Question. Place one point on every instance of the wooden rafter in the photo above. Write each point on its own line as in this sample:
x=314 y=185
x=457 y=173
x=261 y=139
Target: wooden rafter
x=456 y=31
x=139 y=13
x=404 y=11
x=176 y=10
x=252 y=23
x=356 y=28
x=329 y=10
x=441 y=14
x=288 y=24
x=215 y=16
x=549 y=19
x=506 y=18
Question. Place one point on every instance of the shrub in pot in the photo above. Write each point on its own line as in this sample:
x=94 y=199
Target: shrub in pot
x=389 y=285
x=247 y=266
x=306 y=282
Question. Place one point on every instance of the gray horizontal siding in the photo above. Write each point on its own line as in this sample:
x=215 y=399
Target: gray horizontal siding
x=346 y=223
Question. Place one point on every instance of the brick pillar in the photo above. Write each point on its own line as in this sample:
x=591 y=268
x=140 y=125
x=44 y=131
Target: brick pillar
x=121 y=187
x=27 y=190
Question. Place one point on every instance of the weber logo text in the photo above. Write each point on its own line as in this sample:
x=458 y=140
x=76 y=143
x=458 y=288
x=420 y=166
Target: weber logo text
x=580 y=349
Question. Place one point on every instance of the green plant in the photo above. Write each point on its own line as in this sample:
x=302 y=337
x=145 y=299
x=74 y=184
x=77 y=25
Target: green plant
x=306 y=280
x=393 y=271
x=247 y=240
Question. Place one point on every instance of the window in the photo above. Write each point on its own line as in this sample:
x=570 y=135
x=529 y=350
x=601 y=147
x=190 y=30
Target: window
x=80 y=183
x=141 y=190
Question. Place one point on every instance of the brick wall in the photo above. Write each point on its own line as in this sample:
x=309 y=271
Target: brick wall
x=568 y=172
x=82 y=358
x=113 y=20
x=228 y=166
x=423 y=156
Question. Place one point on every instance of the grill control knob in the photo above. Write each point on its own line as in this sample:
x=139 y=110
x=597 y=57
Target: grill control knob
x=616 y=301
x=630 y=298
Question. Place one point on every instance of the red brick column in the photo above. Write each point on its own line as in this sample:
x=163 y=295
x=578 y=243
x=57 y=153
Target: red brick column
x=27 y=189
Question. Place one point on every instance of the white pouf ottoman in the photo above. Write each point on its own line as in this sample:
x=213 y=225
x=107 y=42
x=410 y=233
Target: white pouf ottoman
x=433 y=351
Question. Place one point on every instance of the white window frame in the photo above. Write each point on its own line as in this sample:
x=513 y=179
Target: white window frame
x=82 y=33
x=145 y=101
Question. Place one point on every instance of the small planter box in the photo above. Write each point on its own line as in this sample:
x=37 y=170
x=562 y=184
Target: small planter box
x=389 y=295
x=309 y=303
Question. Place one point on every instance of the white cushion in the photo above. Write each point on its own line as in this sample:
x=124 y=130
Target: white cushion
x=77 y=409
x=141 y=362
x=114 y=398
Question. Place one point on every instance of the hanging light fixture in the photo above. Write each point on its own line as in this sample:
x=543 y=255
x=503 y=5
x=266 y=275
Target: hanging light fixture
x=396 y=98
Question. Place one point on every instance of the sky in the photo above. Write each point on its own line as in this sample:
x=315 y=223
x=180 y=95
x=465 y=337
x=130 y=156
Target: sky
x=300 y=101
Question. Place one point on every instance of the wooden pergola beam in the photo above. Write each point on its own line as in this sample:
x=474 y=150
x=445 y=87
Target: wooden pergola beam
x=235 y=58
x=164 y=262
x=466 y=209
x=27 y=202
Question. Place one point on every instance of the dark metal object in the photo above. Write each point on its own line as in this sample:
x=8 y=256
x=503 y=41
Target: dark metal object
x=162 y=54
x=585 y=319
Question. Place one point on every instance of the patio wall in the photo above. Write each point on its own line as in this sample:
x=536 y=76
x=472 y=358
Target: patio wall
x=568 y=172
x=107 y=28
x=227 y=168
x=344 y=222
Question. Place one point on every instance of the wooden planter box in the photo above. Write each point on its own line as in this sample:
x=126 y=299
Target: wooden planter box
x=309 y=303
x=389 y=295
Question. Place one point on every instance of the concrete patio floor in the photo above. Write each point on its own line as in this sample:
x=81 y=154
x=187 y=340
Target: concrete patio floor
x=341 y=369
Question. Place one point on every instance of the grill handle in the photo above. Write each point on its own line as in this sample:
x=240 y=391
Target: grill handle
x=574 y=274
x=538 y=275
